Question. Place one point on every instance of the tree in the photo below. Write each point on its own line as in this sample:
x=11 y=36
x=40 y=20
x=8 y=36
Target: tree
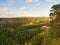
x=54 y=11
x=55 y=16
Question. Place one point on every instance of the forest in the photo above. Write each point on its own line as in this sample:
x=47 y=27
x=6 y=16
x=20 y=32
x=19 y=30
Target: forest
x=22 y=31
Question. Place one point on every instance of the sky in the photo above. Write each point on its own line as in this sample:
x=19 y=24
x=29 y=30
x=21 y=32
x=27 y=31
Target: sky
x=26 y=8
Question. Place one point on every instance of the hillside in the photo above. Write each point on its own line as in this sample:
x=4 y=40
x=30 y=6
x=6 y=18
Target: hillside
x=19 y=31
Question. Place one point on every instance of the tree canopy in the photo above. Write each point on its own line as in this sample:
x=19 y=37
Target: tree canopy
x=55 y=10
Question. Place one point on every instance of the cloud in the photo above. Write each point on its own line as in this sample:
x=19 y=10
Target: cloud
x=37 y=4
x=36 y=0
x=23 y=8
x=24 y=11
x=30 y=1
x=11 y=2
x=50 y=0
x=11 y=12
x=7 y=12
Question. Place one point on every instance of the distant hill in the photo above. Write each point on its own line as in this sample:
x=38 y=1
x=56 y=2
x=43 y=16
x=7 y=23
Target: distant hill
x=28 y=20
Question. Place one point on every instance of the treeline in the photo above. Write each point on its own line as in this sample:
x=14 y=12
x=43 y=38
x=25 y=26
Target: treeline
x=24 y=20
